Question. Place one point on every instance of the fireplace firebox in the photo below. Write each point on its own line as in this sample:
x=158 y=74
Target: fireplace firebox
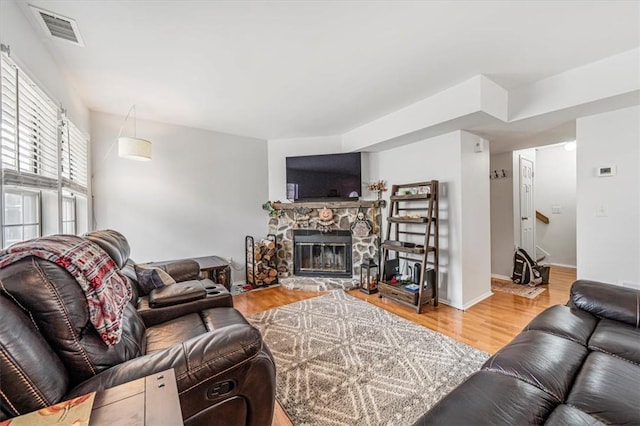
x=322 y=254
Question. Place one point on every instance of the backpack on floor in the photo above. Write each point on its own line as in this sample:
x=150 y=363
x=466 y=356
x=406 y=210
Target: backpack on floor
x=525 y=269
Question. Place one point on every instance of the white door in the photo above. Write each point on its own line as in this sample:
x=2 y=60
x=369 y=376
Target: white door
x=527 y=209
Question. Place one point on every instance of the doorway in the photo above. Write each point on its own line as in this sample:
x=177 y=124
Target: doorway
x=544 y=214
x=553 y=190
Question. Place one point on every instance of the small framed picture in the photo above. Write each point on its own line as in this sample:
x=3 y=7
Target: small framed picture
x=424 y=189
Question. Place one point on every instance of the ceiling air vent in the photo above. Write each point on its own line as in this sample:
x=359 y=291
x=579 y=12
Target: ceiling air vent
x=58 y=26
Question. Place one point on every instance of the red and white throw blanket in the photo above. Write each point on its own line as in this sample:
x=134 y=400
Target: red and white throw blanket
x=106 y=289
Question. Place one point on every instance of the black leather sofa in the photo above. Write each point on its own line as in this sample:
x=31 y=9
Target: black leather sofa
x=50 y=352
x=572 y=365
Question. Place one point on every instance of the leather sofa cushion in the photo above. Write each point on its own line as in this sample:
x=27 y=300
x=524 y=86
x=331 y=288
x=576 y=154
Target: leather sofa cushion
x=180 y=270
x=113 y=242
x=566 y=322
x=24 y=354
x=474 y=402
x=543 y=360
x=565 y=415
x=175 y=331
x=608 y=388
x=219 y=318
x=617 y=339
x=186 y=327
x=607 y=301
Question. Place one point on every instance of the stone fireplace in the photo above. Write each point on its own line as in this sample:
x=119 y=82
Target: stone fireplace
x=301 y=220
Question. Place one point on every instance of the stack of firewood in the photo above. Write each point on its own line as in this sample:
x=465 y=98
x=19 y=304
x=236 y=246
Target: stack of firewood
x=264 y=269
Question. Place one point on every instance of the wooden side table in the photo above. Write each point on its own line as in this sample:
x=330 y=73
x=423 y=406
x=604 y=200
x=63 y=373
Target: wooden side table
x=215 y=268
x=151 y=400
x=148 y=401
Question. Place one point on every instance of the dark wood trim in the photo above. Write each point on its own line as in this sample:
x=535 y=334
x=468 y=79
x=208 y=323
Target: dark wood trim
x=330 y=204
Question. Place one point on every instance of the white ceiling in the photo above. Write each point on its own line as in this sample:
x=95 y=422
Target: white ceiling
x=279 y=69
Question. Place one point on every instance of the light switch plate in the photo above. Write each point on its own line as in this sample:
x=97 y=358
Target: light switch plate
x=605 y=171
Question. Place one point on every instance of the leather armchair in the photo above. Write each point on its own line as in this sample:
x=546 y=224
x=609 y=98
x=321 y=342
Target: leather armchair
x=49 y=350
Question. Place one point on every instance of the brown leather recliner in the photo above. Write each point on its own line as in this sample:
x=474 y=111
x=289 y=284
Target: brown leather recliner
x=49 y=350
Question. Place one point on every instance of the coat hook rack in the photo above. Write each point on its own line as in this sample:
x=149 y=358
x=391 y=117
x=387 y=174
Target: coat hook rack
x=498 y=174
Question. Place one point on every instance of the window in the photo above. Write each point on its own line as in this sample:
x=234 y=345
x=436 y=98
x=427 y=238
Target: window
x=21 y=220
x=44 y=159
x=68 y=215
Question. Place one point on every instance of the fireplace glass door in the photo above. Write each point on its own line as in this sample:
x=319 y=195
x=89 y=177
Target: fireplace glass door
x=320 y=254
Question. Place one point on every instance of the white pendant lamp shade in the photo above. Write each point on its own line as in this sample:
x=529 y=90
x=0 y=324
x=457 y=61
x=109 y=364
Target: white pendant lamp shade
x=134 y=148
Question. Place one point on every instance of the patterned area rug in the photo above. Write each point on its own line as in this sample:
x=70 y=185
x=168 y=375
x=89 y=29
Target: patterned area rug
x=343 y=361
x=517 y=289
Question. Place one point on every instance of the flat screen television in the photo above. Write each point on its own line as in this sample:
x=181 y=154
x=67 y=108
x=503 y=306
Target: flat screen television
x=322 y=177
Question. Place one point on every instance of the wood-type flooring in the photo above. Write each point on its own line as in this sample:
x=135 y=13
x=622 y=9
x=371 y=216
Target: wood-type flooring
x=488 y=325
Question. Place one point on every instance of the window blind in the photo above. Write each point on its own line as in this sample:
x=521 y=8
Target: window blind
x=9 y=114
x=73 y=145
x=29 y=131
x=37 y=135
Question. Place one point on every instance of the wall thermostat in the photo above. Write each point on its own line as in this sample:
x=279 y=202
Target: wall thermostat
x=606 y=171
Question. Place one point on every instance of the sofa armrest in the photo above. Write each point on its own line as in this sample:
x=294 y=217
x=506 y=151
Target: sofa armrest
x=217 y=296
x=180 y=270
x=607 y=301
x=176 y=294
x=200 y=364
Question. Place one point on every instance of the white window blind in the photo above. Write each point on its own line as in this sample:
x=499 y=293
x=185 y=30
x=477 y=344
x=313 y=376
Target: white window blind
x=73 y=145
x=9 y=130
x=37 y=133
x=30 y=141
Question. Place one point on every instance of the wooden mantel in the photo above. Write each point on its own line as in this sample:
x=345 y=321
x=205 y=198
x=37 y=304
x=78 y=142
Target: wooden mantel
x=330 y=204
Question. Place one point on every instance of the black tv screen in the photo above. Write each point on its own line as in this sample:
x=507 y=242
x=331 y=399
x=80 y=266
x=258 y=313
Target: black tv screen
x=331 y=176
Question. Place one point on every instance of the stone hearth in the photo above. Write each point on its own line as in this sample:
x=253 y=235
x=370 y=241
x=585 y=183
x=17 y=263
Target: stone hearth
x=319 y=283
x=344 y=215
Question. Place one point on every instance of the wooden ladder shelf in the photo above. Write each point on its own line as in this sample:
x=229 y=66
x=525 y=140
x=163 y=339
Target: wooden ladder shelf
x=412 y=236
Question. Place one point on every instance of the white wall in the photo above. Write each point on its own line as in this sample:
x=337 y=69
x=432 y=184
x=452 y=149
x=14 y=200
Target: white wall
x=555 y=187
x=28 y=49
x=502 y=229
x=442 y=158
x=608 y=218
x=200 y=195
x=476 y=219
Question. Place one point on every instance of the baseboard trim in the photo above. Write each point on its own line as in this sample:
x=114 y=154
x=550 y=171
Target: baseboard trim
x=500 y=277
x=562 y=265
x=468 y=304
x=477 y=300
